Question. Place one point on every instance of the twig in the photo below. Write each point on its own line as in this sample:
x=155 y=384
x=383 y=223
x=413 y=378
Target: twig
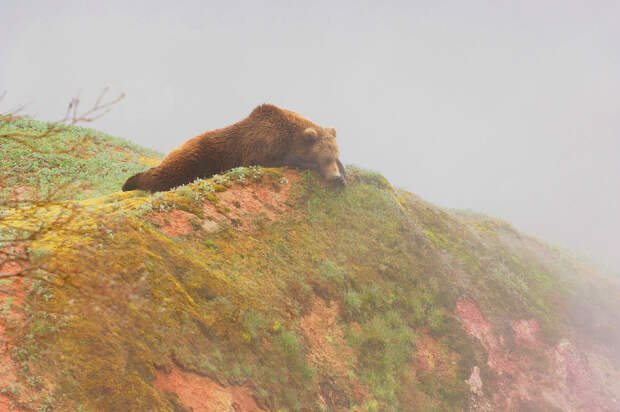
x=98 y=110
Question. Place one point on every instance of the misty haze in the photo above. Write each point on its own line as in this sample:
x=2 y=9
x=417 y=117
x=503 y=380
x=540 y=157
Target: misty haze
x=372 y=206
x=507 y=110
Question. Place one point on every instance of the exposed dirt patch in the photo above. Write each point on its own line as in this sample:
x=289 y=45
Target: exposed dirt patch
x=12 y=260
x=205 y=395
x=245 y=206
x=12 y=293
x=21 y=193
x=525 y=332
x=331 y=355
x=8 y=370
x=329 y=349
x=564 y=380
x=240 y=206
x=174 y=222
x=476 y=325
x=14 y=195
x=605 y=372
x=431 y=356
x=577 y=382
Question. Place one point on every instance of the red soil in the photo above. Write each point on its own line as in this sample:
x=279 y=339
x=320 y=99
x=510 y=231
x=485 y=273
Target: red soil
x=20 y=194
x=525 y=332
x=330 y=354
x=13 y=291
x=174 y=222
x=569 y=385
x=239 y=206
x=12 y=260
x=475 y=324
x=205 y=395
x=325 y=336
x=431 y=356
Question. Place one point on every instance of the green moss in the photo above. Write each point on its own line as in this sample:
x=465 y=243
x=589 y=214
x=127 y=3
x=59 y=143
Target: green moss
x=128 y=301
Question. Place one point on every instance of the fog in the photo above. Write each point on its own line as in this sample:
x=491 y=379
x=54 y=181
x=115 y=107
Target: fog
x=508 y=109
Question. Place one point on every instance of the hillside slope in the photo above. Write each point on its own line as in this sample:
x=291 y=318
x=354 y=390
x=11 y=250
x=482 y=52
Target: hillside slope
x=265 y=290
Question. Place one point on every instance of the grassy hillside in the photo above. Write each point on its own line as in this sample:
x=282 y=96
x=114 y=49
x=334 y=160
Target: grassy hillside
x=268 y=290
x=85 y=162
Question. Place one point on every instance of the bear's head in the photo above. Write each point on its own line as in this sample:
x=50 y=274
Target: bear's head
x=316 y=148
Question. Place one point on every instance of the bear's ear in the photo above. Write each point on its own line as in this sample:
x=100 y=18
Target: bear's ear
x=310 y=135
x=332 y=131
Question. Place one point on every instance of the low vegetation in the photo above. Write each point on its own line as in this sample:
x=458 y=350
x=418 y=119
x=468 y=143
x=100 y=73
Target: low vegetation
x=115 y=300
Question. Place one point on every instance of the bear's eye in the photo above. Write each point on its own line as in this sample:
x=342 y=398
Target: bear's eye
x=310 y=135
x=309 y=140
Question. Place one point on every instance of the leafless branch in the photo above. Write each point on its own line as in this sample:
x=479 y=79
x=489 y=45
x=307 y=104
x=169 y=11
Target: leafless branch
x=99 y=109
x=9 y=114
x=72 y=117
x=14 y=251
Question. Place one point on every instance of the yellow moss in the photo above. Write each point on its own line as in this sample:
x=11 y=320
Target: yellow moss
x=277 y=172
x=399 y=201
x=149 y=161
x=133 y=300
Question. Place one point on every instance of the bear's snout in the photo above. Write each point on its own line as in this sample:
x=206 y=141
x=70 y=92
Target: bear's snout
x=333 y=173
x=337 y=180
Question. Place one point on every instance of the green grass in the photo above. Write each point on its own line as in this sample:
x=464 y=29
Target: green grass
x=98 y=165
x=229 y=304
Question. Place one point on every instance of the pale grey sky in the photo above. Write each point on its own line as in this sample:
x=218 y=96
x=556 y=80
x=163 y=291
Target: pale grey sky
x=507 y=108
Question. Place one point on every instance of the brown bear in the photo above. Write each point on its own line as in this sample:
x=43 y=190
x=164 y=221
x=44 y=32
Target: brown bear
x=269 y=136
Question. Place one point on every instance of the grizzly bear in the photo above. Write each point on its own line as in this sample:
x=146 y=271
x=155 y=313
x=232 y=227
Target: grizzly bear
x=269 y=136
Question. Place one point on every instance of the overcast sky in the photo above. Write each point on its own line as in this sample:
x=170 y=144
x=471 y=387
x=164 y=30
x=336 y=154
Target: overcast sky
x=507 y=108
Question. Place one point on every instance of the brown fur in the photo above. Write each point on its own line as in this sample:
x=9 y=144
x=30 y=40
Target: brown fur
x=269 y=136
